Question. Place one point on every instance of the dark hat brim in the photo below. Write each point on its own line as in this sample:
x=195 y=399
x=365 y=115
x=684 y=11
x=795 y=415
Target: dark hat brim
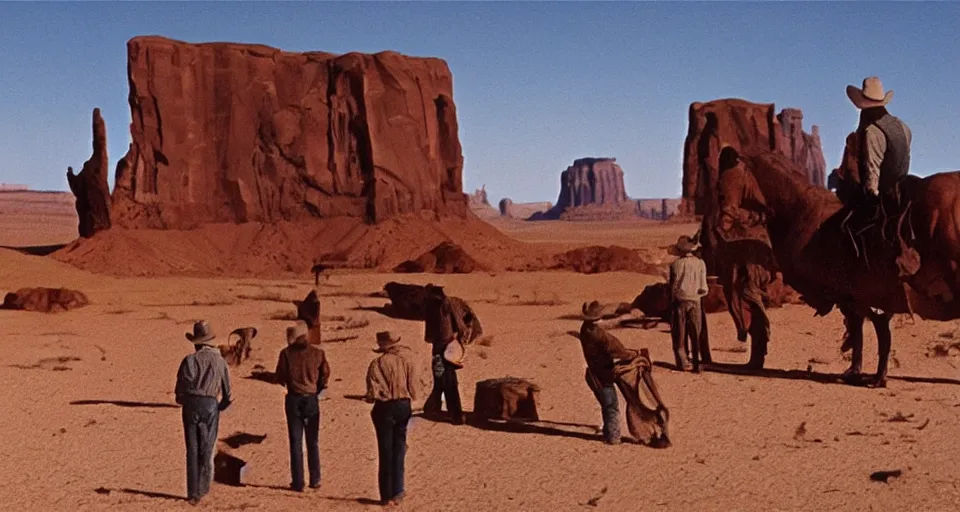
x=200 y=340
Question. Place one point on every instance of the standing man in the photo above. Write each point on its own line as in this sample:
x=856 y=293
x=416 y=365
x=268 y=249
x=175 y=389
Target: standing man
x=201 y=377
x=442 y=327
x=885 y=147
x=600 y=348
x=304 y=370
x=391 y=385
x=688 y=286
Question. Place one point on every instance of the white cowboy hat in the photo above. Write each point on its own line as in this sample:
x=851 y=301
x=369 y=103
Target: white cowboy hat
x=296 y=331
x=870 y=94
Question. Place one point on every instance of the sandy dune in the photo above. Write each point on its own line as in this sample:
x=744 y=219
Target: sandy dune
x=89 y=405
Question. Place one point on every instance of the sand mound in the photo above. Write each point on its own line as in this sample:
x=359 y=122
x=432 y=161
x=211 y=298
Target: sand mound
x=45 y=300
x=654 y=300
x=446 y=258
x=292 y=248
x=597 y=258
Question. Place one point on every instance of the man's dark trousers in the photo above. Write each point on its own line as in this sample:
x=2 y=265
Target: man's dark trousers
x=201 y=419
x=390 y=421
x=445 y=383
x=303 y=417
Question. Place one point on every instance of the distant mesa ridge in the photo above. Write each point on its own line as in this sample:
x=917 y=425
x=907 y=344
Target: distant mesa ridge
x=743 y=125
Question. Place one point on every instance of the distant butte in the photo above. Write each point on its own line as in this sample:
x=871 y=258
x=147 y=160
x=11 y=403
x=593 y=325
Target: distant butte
x=226 y=132
x=283 y=158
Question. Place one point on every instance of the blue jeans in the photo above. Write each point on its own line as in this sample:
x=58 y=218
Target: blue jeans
x=390 y=421
x=201 y=419
x=610 y=408
x=303 y=418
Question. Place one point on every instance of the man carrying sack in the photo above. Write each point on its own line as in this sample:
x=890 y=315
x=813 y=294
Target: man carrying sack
x=201 y=377
x=600 y=348
x=444 y=329
x=304 y=370
x=391 y=386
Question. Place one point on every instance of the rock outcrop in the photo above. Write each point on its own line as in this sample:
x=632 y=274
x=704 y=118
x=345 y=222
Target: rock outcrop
x=235 y=133
x=45 y=300
x=591 y=183
x=506 y=207
x=598 y=258
x=446 y=258
x=90 y=186
x=658 y=209
x=523 y=210
x=479 y=197
x=801 y=147
x=743 y=125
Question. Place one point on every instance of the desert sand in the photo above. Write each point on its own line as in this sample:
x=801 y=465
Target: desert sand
x=90 y=421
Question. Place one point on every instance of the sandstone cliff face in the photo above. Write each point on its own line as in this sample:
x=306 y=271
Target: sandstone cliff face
x=523 y=210
x=592 y=181
x=659 y=209
x=90 y=186
x=803 y=148
x=743 y=125
x=592 y=187
x=239 y=133
x=479 y=197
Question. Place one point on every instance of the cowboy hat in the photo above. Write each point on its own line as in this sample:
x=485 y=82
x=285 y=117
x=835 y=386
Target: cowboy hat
x=685 y=244
x=870 y=94
x=202 y=333
x=296 y=331
x=385 y=340
x=592 y=311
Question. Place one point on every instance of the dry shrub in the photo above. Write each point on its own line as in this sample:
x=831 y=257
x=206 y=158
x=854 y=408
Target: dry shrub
x=736 y=349
x=287 y=316
x=485 y=341
x=551 y=299
x=266 y=297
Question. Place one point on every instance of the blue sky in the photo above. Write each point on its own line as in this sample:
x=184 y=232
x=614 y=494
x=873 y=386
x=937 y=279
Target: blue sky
x=536 y=84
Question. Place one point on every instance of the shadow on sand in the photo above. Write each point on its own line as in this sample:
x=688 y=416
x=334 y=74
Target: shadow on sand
x=35 y=250
x=140 y=492
x=813 y=376
x=306 y=492
x=361 y=501
x=389 y=311
x=238 y=439
x=262 y=376
x=126 y=403
x=541 y=427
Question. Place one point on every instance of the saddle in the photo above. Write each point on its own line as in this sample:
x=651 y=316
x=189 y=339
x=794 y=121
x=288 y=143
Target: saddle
x=886 y=219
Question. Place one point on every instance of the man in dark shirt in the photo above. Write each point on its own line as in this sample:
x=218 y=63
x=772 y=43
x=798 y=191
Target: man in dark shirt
x=600 y=348
x=304 y=370
x=442 y=327
x=202 y=375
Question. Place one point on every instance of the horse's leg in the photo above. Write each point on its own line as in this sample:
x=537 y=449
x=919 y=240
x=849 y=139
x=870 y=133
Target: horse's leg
x=854 y=325
x=759 y=337
x=884 y=340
